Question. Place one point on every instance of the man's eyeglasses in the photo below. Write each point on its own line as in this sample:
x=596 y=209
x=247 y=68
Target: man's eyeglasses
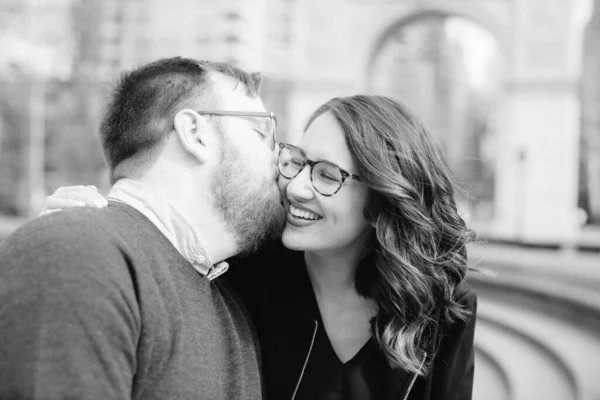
x=327 y=178
x=271 y=133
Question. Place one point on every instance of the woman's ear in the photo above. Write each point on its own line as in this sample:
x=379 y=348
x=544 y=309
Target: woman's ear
x=193 y=131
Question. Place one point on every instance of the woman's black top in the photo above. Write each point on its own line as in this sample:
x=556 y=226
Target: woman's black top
x=365 y=376
x=299 y=362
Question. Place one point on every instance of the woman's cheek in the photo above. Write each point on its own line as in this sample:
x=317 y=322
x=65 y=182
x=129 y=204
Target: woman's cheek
x=282 y=183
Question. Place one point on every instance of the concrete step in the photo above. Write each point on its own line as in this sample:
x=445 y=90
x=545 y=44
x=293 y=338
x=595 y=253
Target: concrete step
x=543 y=357
x=491 y=378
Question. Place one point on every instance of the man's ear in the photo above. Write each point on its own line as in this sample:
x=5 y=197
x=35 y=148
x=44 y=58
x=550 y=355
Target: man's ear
x=194 y=133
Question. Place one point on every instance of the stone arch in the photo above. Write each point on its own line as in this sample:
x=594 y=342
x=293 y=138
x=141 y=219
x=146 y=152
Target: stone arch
x=495 y=26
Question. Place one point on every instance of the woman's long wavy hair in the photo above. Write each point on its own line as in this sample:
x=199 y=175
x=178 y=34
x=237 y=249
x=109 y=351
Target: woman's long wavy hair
x=419 y=253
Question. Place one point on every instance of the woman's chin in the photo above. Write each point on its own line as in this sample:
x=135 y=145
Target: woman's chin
x=290 y=241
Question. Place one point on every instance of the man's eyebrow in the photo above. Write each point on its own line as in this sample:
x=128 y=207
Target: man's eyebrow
x=256 y=120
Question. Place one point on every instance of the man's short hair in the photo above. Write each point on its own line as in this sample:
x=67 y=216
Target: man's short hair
x=144 y=104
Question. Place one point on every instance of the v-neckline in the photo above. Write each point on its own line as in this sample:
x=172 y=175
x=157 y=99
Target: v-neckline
x=360 y=355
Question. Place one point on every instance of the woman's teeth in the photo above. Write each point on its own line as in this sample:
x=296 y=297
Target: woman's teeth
x=296 y=212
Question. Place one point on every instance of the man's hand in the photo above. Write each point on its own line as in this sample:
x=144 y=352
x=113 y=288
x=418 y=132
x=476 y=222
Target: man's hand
x=73 y=196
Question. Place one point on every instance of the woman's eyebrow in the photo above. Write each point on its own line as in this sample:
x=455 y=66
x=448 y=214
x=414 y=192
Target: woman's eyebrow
x=320 y=159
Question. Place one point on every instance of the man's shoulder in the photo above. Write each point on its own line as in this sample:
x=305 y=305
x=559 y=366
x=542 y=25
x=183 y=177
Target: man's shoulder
x=65 y=238
x=80 y=224
x=68 y=255
x=83 y=216
x=85 y=223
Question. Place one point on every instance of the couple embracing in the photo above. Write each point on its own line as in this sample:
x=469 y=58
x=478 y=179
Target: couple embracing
x=227 y=265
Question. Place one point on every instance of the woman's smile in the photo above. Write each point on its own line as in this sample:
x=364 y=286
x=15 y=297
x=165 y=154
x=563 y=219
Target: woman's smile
x=299 y=216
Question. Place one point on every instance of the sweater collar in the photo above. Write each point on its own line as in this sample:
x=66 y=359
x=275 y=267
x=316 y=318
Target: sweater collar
x=170 y=222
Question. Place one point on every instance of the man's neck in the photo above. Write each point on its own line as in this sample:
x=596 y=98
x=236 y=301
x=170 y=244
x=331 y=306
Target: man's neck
x=193 y=201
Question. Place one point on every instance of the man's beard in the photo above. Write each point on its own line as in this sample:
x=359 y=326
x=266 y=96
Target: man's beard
x=250 y=205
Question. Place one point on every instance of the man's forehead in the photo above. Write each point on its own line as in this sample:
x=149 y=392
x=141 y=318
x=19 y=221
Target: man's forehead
x=231 y=94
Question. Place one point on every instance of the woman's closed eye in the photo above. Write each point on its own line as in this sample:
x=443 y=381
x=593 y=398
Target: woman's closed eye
x=297 y=163
x=327 y=177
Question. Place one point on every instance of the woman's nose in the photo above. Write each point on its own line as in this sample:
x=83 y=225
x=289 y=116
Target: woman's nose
x=300 y=187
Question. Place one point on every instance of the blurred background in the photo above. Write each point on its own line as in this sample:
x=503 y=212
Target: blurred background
x=510 y=88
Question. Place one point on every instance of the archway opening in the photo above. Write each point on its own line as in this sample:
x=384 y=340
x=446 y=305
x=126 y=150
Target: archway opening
x=448 y=69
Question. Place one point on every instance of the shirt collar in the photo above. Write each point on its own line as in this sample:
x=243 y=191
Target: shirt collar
x=170 y=222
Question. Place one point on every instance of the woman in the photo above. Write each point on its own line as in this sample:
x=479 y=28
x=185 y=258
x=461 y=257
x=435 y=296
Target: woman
x=369 y=299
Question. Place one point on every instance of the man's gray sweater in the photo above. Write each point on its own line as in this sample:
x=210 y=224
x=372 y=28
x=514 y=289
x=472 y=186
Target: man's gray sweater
x=98 y=304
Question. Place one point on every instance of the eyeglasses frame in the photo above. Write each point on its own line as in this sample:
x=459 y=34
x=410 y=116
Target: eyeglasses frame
x=311 y=163
x=265 y=114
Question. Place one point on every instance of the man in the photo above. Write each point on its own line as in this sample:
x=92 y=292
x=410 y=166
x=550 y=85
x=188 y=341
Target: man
x=124 y=302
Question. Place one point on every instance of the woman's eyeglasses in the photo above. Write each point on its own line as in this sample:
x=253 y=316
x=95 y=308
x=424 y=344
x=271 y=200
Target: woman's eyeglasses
x=327 y=178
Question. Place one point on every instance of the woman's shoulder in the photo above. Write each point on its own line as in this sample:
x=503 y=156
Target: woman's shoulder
x=272 y=263
x=272 y=259
x=466 y=295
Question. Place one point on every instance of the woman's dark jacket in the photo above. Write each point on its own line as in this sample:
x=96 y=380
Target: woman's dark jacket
x=277 y=291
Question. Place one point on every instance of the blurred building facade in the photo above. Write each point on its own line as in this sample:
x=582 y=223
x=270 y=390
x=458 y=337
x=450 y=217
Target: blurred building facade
x=253 y=34
x=497 y=82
